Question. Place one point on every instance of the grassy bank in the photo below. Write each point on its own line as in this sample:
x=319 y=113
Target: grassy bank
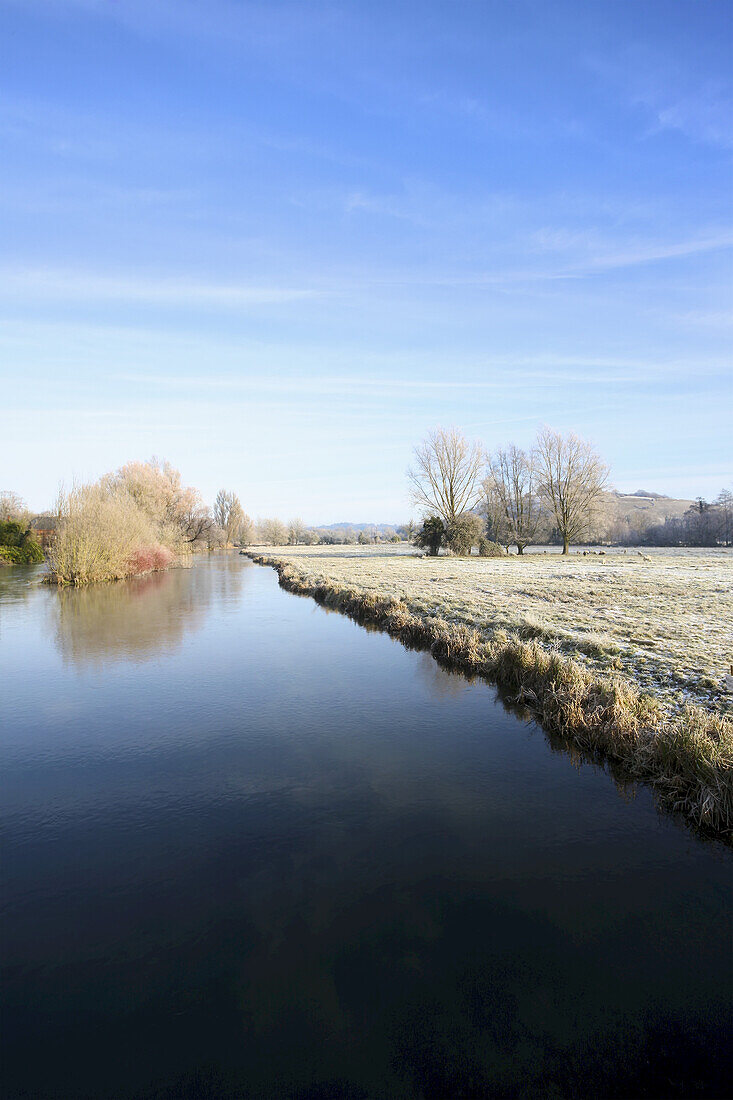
x=683 y=749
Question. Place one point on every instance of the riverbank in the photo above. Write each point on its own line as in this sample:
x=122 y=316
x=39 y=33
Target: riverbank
x=142 y=563
x=621 y=656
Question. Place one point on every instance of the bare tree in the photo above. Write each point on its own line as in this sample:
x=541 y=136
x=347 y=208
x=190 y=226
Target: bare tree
x=12 y=506
x=247 y=530
x=296 y=531
x=512 y=478
x=228 y=514
x=724 y=502
x=195 y=522
x=446 y=475
x=272 y=532
x=216 y=537
x=572 y=477
x=490 y=507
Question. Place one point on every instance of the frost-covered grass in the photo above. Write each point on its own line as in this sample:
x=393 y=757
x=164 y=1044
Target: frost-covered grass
x=662 y=621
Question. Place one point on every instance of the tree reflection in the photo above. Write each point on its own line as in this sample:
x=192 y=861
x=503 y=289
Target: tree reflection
x=141 y=618
x=18 y=581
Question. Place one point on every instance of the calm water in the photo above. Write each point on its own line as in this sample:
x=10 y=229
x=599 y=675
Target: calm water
x=250 y=849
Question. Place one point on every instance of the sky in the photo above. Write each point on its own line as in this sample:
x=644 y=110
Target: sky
x=277 y=243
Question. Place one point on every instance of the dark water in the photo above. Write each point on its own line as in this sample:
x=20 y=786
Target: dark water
x=250 y=849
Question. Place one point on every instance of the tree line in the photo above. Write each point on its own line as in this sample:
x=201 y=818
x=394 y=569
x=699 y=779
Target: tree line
x=506 y=498
x=705 y=523
x=142 y=516
x=553 y=492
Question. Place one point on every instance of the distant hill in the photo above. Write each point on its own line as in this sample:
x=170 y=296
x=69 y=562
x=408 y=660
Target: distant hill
x=657 y=505
x=654 y=507
x=380 y=527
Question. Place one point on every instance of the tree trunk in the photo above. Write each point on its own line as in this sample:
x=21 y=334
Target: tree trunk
x=565 y=546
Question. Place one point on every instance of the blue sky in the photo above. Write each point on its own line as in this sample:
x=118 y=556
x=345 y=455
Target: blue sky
x=276 y=243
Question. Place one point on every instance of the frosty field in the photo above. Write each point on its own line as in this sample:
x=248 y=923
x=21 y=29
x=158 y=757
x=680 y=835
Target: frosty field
x=660 y=619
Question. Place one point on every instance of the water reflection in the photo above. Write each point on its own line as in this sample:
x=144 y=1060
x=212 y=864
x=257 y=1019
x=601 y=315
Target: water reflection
x=18 y=581
x=139 y=619
x=298 y=860
x=440 y=682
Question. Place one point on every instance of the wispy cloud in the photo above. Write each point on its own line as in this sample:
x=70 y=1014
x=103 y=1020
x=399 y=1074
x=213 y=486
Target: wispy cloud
x=98 y=287
x=245 y=361
x=588 y=252
x=361 y=229
x=697 y=107
x=508 y=375
x=706 y=318
x=705 y=115
x=571 y=256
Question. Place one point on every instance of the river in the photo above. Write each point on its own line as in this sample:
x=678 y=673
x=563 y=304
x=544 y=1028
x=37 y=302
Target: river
x=251 y=849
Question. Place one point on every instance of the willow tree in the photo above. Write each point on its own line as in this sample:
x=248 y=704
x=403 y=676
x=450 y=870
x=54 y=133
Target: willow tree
x=572 y=478
x=445 y=478
x=155 y=486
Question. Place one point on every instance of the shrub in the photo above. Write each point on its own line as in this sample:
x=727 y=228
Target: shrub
x=17 y=547
x=463 y=533
x=489 y=549
x=32 y=552
x=104 y=535
x=11 y=533
x=431 y=535
x=148 y=558
x=13 y=555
